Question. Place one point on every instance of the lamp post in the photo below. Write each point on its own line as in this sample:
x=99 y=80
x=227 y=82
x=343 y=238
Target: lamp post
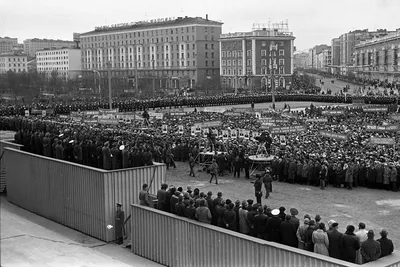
x=98 y=73
x=154 y=82
x=109 y=84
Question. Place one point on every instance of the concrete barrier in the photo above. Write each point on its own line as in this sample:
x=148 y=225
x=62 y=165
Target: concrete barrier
x=75 y=195
x=3 y=175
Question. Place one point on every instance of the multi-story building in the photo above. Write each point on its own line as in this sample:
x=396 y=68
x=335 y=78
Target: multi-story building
x=33 y=45
x=255 y=59
x=162 y=53
x=378 y=58
x=14 y=62
x=335 y=55
x=8 y=44
x=63 y=62
x=300 y=60
x=347 y=43
x=313 y=55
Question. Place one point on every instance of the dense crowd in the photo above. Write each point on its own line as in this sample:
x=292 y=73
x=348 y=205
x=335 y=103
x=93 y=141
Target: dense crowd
x=130 y=105
x=273 y=224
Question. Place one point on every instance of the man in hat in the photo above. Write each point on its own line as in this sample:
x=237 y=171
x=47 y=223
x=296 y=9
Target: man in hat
x=386 y=244
x=106 y=156
x=260 y=224
x=214 y=171
x=349 y=244
x=288 y=232
x=370 y=248
x=308 y=236
x=274 y=227
x=258 y=188
x=294 y=220
x=301 y=234
x=119 y=220
x=335 y=237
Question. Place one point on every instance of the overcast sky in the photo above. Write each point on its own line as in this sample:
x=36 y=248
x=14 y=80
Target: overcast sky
x=311 y=21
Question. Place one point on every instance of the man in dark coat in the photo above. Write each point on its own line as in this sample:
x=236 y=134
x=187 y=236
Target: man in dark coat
x=308 y=236
x=335 y=238
x=230 y=218
x=288 y=232
x=161 y=193
x=119 y=220
x=260 y=224
x=106 y=156
x=386 y=244
x=350 y=244
x=370 y=248
x=125 y=157
x=274 y=227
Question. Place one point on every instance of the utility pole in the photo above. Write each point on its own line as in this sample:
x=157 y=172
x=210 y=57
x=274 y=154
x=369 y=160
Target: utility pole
x=98 y=73
x=136 y=70
x=236 y=70
x=273 y=79
x=109 y=84
x=154 y=81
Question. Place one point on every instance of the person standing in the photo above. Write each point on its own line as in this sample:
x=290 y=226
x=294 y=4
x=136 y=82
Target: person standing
x=161 y=193
x=119 y=220
x=244 y=227
x=258 y=189
x=386 y=244
x=350 y=244
x=230 y=218
x=214 y=171
x=288 y=232
x=320 y=240
x=308 y=236
x=361 y=233
x=144 y=196
x=267 y=181
x=323 y=175
x=260 y=224
x=203 y=214
x=301 y=234
x=191 y=165
x=370 y=248
x=335 y=237
x=106 y=156
x=274 y=227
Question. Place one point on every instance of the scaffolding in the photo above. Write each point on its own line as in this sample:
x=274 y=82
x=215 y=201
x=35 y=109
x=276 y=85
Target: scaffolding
x=281 y=27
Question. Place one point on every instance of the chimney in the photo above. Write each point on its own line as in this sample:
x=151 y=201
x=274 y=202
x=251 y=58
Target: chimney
x=206 y=16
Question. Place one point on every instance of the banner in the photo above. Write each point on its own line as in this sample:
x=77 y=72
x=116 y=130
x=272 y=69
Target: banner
x=107 y=121
x=254 y=134
x=382 y=141
x=177 y=113
x=387 y=128
x=375 y=109
x=76 y=118
x=180 y=129
x=317 y=120
x=43 y=113
x=272 y=120
x=90 y=112
x=258 y=115
x=225 y=134
x=395 y=117
x=198 y=128
x=157 y=116
x=209 y=124
x=214 y=109
x=242 y=110
x=287 y=129
x=164 y=128
x=215 y=131
x=231 y=114
x=128 y=116
x=90 y=121
x=193 y=130
x=27 y=112
x=333 y=135
x=107 y=111
x=332 y=112
x=63 y=116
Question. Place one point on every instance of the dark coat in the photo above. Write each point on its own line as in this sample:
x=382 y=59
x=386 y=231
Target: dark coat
x=350 y=244
x=335 y=238
x=260 y=224
x=274 y=229
x=119 y=220
x=288 y=234
x=386 y=246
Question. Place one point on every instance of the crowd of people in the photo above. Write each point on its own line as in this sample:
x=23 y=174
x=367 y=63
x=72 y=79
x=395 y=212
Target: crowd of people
x=273 y=224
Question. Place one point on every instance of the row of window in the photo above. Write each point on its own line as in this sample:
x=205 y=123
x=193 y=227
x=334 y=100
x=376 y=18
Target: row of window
x=52 y=63
x=263 y=62
x=150 y=64
x=147 y=33
x=149 y=57
x=248 y=53
x=10 y=65
x=50 y=58
x=52 y=68
x=52 y=53
x=264 y=71
x=16 y=70
x=3 y=59
x=145 y=41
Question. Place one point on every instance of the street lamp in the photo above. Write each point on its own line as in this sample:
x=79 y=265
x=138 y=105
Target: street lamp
x=98 y=73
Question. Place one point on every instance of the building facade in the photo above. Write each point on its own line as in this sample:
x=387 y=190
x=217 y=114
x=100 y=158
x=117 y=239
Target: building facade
x=8 y=44
x=335 y=55
x=33 y=45
x=313 y=58
x=14 y=62
x=161 y=54
x=300 y=60
x=65 y=63
x=347 y=43
x=378 y=58
x=256 y=59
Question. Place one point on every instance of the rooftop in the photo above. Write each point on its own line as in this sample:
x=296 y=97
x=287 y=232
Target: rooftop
x=47 y=40
x=12 y=55
x=58 y=48
x=263 y=30
x=391 y=36
x=154 y=23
